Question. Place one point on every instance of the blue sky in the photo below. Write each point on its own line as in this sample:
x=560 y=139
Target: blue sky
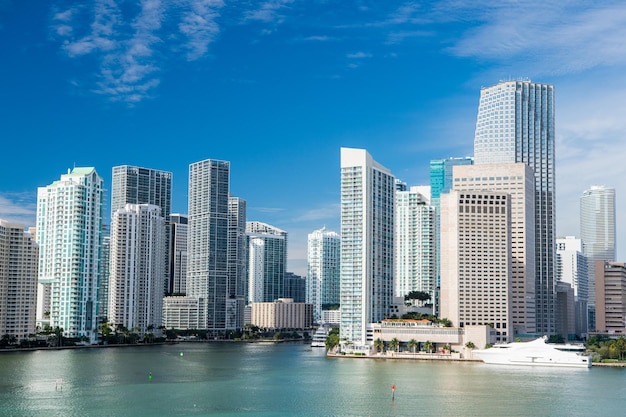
x=277 y=87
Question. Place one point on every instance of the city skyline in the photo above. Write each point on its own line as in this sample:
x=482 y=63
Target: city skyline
x=269 y=88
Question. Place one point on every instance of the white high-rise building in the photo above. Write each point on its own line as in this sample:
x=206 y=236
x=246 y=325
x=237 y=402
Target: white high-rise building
x=572 y=269
x=69 y=233
x=415 y=243
x=476 y=260
x=515 y=123
x=597 y=232
x=237 y=261
x=323 y=277
x=19 y=257
x=518 y=181
x=267 y=254
x=367 y=249
x=137 y=272
x=207 y=249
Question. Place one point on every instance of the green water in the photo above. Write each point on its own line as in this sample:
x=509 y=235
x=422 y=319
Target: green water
x=290 y=380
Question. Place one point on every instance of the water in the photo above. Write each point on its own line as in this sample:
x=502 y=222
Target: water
x=235 y=379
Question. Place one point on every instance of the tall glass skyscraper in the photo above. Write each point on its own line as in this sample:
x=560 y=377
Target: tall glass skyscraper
x=597 y=232
x=367 y=250
x=267 y=254
x=322 y=286
x=441 y=175
x=69 y=233
x=207 y=249
x=515 y=123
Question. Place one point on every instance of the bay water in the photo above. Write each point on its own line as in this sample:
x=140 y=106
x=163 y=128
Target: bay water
x=241 y=379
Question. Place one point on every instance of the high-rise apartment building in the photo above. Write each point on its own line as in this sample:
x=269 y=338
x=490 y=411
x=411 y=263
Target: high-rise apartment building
x=441 y=175
x=267 y=254
x=367 y=250
x=19 y=257
x=137 y=185
x=323 y=274
x=295 y=287
x=476 y=260
x=207 y=249
x=415 y=243
x=137 y=272
x=69 y=233
x=597 y=232
x=515 y=123
x=610 y=297
x=572 y=269
x=237 y=250
x=518 y=181
x=178 y=254
x=105 y=263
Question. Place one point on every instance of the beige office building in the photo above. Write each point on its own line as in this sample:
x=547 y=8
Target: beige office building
x=518 y=180
x=476 y=260
x=610 y=280
x=282 y=314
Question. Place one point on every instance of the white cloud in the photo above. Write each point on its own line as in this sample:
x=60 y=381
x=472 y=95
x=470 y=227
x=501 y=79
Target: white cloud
x=18 y=208
x=268 y=12
x=200 y=27
x=359 y=55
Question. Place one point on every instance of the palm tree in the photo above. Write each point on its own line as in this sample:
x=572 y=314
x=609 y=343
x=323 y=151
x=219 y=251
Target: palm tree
x=428 y=346
x=379 y=345
x=412 y=344
x=58 y=333
x=394 y=344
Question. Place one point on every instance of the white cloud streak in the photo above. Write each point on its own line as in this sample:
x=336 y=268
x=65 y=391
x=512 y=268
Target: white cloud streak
x=18 y=208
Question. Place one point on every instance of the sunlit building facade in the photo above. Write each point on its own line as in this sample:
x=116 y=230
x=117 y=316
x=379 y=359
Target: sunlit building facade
x=323 y=277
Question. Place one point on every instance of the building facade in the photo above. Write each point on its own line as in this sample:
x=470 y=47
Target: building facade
x=515 y=123
x=267 y=262
x=137 y=272
x=295 y=287
x=179 y=225
x=518 y=181
x=19 y=259
x=207 y=243
x=571 y=269
x=69 y=233
x=323 y=274
x=367 y=247
x=476 y=260
x=610 y=297
x=282 y=313
x=237 y=258
x=597 y=231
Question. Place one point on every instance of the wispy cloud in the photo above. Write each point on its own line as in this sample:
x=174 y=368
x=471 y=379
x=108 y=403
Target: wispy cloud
x=359 y=55
x=268 y=12
x=200 y=26
x=328 y=212
x=267 y=209
x=18 y=208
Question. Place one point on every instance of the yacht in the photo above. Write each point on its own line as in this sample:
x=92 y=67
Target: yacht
x=319 y=338
x=535 y=353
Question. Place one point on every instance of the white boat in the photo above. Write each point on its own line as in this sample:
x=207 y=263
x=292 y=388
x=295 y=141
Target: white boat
x=319 y=338
x=535 y=353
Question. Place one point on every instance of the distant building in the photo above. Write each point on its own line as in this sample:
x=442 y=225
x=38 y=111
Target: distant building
x=237 y=261
x=295 y=287
x=69 y=233
x=323 y=275
x=476 y=260
x=597 y=232
x=367 y=248
x=283 y=313
x=179 y=227
x=610 y=297
x=105 y=263
x=19 y=258
x=137 y=272
x=267 y=254
x=571 y=268
x=183 y=313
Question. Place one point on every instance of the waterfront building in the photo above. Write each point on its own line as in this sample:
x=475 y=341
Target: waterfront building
x=295 y=287
x=610 y=297
x=415 y=241
x=571 y=268
x=597 y=231
x=69 y=233
x=476 y=260
x=282 y=313
x=137 y=185
x=182 y=313
x=566 y=311
x=267 y=254
x=237 y=261
x=207 y=244
x=323 y=274
x=515 y=123
x=105 y=263
x=367 y=249
x=19 y=258
x=518 y=181
x=137 y=272
x=179 y=227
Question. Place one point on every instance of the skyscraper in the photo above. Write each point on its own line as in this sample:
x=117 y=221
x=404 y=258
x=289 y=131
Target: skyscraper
x=323 y=277
x=267 y=253
x=415 y=243
x=237 y=261
x=137 y=273
x=137 y=185
x=207 y=250
x=572 y=269
x=597 y=232
x=515 y=123
x=178 y=254
x=441 y=176
x=69 y=233
x=19 y=256
x=367 y=251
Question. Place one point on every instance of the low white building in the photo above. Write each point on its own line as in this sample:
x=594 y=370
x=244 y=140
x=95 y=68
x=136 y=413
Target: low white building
x=181 y=313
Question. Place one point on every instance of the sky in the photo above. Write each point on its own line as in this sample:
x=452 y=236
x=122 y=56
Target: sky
x=277 y=87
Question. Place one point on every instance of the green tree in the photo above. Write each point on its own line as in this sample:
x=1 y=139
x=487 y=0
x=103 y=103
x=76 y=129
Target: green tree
x=412 y=345
x=379 y=345
x=428 y=346
x=394 y=344
x=332 y=341
x=470 y=345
